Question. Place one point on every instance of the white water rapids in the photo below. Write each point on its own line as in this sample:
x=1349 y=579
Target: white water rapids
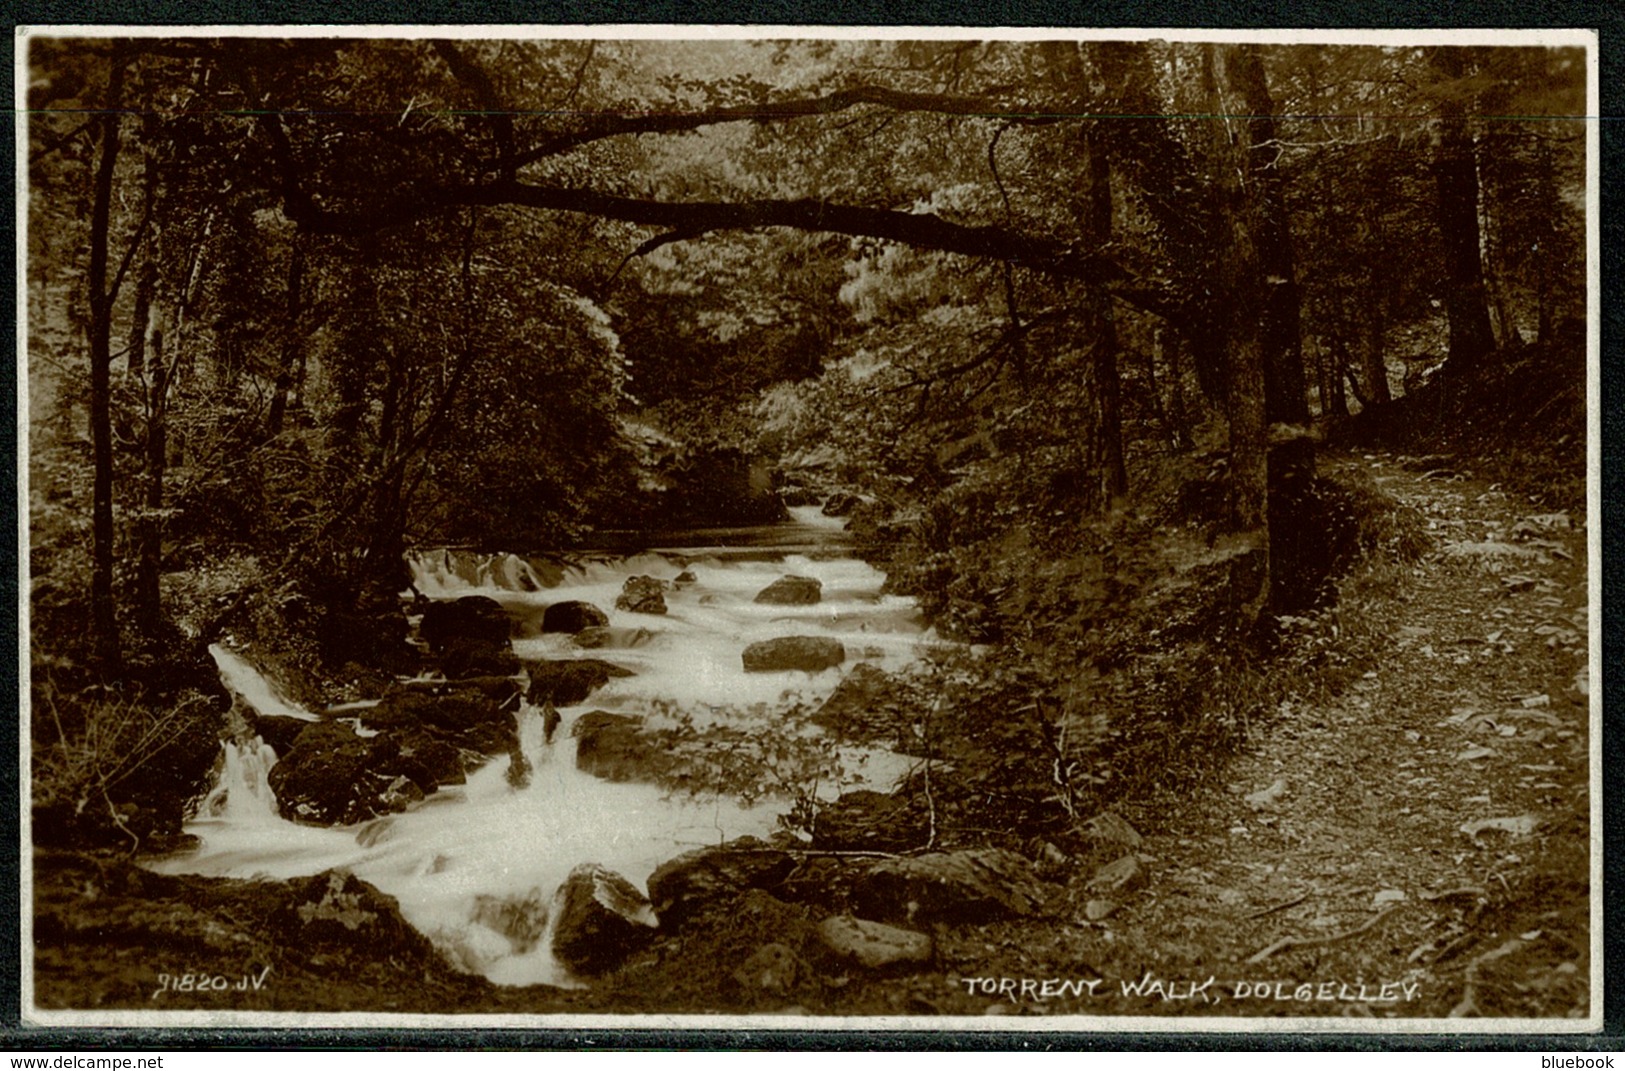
x=475 y=866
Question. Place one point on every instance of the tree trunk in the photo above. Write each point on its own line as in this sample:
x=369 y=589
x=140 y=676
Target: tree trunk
x=1241 y=278
x=1334 y=400
x=1096 y=201
x=1545 y=239
x=291 y=344
x=1374 y=369
x=1456 y=182
x=149 y=564
x=104 y=614
x=1285 y=382
x=136 y=348
x=1167 y=343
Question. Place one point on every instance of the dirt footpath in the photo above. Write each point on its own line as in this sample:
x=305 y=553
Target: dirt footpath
x=1416 y=845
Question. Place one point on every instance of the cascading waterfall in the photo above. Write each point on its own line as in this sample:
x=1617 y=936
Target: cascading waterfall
x=475 y=866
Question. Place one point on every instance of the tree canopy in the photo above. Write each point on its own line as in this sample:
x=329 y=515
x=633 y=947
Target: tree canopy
x=333 y=296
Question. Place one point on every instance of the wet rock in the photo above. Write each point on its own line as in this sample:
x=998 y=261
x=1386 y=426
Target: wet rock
x=642 y=595
x=550 y=721
x=472 y=617
x=1121 y=876
x=167 y=845
x=521 y=919
x=841 y=505
x=612 y=747
x=792 y=591
x=602 y=637
x=808 y=653
x=402 y=791
x=440 y=762
x=868 y=821
x=573 y=616
x=465 y=657
x=332 y=776
x=503 y=690
x=799 y=496
x=967 y=887
x=602 y=919
x=685 y=577
x=464 y=717
x=337 y=912
x=773 y=968
x=874 y=945
x=568 y=681
x=278 y=731
x=709 y=878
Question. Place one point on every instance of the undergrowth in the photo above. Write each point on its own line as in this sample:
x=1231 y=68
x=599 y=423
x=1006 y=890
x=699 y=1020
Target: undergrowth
x=1521 y=420
x=1120 y=671
x=112 y=767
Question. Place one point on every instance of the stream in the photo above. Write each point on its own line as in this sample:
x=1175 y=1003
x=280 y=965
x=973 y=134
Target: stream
x=475 y=866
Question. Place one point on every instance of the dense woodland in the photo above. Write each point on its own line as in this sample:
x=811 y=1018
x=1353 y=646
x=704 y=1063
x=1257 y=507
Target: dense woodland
x=1066 y=320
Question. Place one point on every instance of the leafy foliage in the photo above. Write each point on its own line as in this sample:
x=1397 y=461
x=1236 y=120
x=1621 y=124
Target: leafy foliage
x=1016 y=296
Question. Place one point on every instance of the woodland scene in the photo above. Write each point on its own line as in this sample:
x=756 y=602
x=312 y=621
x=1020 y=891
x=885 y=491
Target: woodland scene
x=808 y=526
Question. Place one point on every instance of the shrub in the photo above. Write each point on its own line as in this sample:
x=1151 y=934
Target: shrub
x=107 y=766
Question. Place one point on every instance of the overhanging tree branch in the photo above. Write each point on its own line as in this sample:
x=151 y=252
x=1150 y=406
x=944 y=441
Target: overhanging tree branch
x=601 y=126
x=695 y=218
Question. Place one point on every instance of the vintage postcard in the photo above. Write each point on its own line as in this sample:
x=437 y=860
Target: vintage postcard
x=810 y=529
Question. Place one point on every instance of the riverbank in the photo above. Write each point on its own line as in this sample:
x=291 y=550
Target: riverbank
x=1415 y=844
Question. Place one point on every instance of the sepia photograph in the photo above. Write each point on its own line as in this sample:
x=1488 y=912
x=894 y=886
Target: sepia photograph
x=809 y=528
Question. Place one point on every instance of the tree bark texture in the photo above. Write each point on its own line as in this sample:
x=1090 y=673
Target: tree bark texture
x=104 y=614
x=1455 y=176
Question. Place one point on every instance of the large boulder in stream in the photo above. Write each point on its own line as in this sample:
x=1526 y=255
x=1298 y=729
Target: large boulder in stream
x=478 y=618
x=567 y=681
x=471 y=637
x=792 y=591
x=808 y=653
x=602 y=919
x=642 y=595
x=464 y=658
x=334 y=776
x=475 y=715
x=573 y=616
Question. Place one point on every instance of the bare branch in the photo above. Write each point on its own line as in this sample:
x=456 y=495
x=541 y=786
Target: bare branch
x=599 y=126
